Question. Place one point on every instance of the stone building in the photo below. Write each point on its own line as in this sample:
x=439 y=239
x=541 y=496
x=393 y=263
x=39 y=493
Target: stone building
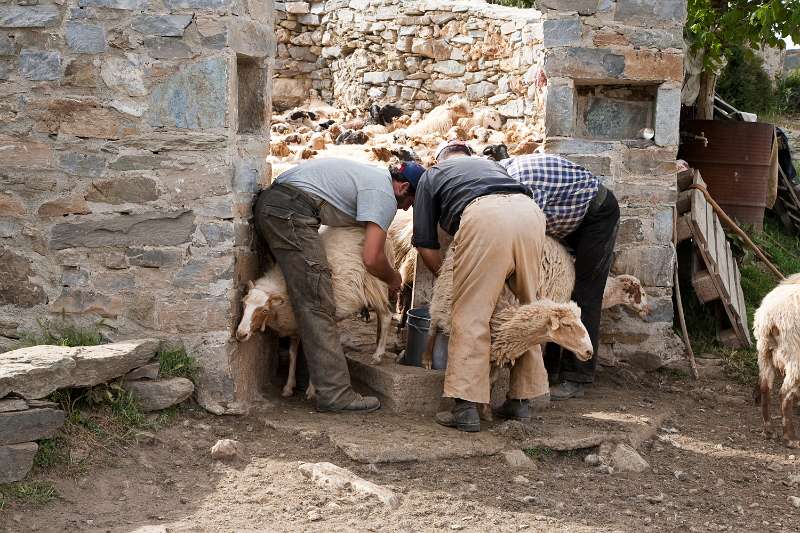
x=133 y=134
x=587 y=74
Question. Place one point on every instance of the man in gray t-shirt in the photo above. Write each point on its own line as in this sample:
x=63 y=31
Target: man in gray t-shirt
x=361 y=192
x=335 y=192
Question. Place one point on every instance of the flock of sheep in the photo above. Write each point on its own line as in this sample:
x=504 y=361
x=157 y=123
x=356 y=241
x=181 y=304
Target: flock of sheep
x=388 y=135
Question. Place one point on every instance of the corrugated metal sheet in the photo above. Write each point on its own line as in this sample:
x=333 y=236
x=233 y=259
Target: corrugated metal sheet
x=735 y=165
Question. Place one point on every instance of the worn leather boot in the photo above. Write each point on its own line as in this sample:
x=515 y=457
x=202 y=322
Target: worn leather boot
x=567 y=390
x=464 y=416
x=514 y=410
x=360 y=404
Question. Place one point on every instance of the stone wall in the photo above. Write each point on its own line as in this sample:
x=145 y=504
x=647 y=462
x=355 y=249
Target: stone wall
x=134 y=134
x=413 y=54
x=621 y=71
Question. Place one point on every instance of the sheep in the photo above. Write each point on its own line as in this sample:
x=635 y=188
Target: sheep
x=514 y=328
x=558 y=270
x=486 y=117
x=405 y=258
x=776 y=327
x=266 y=304
x=441 y=118
x=558 y=281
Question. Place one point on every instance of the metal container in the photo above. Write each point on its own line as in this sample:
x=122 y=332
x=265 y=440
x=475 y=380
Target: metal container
x=419 y=323
x=734 y=163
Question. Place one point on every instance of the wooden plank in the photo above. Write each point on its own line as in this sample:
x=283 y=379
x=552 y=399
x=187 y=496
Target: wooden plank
x=698 y=218
x=683 y=228
x=721 y=259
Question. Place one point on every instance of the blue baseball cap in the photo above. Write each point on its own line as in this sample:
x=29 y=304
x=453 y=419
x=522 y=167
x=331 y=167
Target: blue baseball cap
x=411 y=171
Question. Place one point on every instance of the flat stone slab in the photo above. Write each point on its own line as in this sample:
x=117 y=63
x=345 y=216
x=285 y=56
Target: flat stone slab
x=16 y=461
x=418 y=441
x=37 y=371
x=400 y=388
x=157 y=395
x=383 y=437
x=587 y=423
x=29 y=425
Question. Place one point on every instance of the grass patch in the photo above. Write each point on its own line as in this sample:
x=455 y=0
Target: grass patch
x=176 y=363
x=52 y=452
x=757 y=280
x=28 y=493
x=64 y=334
x=539 y=453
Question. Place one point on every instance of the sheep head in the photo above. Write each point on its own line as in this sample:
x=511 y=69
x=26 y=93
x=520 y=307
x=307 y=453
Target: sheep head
x=627 y=290
x=566 y=329
x=260 y=308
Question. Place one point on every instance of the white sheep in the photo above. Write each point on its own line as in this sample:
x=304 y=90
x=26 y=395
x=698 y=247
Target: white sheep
x=441 y=118
x=405 y=258
x=267 y=305
x=558 y=270
x=777 y=331
x=514 y=328
x=485 y=117
x=558 y=281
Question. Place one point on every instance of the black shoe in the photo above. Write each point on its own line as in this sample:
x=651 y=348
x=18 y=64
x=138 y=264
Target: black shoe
x=553 y=379
x=514 y=410
x=361 y=404
x=464 y=416
x=567 y=390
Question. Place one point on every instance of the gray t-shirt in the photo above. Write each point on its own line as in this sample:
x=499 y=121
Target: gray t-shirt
x=362 y=192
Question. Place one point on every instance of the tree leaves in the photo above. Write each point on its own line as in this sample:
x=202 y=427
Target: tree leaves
x=716 y=26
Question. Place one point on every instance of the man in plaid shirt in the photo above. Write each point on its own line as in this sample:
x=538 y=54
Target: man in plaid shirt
x=584 y=214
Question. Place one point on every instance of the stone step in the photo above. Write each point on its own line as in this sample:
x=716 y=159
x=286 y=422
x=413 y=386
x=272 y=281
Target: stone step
x=409 y=389
x=400 y=388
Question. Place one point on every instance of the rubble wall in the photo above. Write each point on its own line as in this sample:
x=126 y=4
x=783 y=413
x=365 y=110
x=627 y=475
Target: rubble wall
x=134 y=134
x=412 y=54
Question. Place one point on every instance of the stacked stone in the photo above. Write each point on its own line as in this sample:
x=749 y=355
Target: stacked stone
x=613 y=69
x=298 y=63
x=129 y=168
x=30 y=374
x=413 y=54
x=22 y=422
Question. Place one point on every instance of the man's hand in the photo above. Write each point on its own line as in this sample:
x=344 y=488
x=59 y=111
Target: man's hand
x=395 y=285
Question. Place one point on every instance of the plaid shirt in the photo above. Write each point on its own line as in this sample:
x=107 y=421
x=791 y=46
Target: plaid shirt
x=562 y=189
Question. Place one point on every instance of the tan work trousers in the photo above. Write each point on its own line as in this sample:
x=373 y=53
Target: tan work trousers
x=500 y=239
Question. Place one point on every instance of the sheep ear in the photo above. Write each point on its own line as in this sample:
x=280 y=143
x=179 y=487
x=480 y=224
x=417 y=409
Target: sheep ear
x=250 y=283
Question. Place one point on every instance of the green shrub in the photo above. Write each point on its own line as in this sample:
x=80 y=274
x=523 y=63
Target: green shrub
x=745 y=84
x=788 y=94
x=176 y=363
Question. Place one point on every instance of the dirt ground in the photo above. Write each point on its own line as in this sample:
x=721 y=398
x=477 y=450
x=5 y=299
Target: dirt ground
x=711 y=471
